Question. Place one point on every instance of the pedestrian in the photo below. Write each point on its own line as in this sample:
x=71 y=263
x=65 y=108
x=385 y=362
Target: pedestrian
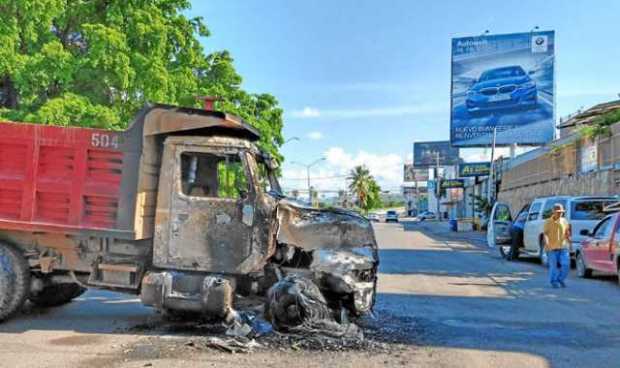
x=557 y=245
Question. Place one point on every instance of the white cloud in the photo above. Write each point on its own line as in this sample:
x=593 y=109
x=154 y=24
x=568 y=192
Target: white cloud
x=315 y=136
x=306 y=112
x=352 y=113
x=409 y=159
x=331 y=175
x=387 y=169
x=484 y=154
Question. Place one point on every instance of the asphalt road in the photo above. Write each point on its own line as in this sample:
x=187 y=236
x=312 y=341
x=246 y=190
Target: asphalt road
x=457 y=304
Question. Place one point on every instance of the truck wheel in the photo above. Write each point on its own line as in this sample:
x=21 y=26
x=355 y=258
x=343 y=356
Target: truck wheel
x=582 y=270
x=14 y=280
x=57 y=294
x=542 y=255
x=514 y=248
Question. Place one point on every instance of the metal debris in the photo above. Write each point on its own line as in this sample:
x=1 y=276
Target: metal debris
x=295 y=304
x=232 y=345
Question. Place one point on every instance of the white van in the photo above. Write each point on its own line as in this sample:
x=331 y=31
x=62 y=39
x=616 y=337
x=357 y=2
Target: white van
x=581 y=212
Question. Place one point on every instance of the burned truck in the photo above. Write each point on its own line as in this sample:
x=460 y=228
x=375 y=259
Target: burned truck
x=182 y=209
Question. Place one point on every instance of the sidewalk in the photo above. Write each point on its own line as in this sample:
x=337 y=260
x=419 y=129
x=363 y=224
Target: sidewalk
x=442 y=229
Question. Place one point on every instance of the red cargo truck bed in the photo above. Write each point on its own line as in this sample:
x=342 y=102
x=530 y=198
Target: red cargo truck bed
x=58 y=178
x=95 y=182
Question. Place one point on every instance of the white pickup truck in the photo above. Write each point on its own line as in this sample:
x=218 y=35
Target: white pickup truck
x=581 y=212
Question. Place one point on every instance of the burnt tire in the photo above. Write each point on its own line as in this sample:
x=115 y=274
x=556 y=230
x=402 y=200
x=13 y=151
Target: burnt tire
x=57 y=294
x=14 y=280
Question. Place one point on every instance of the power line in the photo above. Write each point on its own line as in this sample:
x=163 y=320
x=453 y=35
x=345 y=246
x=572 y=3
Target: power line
x=318 y=178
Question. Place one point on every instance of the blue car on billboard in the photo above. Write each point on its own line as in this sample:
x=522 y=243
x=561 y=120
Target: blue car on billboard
x=508 y=87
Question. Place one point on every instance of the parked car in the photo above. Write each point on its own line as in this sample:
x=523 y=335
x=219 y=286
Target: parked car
x=510 y=250
x=582 y=213
x=502 y=88
x=374 y=217
x=600 y=250
x=426 y=215
x=391 y=216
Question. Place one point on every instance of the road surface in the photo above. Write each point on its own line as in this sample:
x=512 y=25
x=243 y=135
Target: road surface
x=456 y=303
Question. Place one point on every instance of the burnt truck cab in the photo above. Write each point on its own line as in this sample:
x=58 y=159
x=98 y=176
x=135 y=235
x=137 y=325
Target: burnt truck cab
x=222 y=219
x=197 y=219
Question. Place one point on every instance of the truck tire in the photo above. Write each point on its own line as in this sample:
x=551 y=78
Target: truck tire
x=57 y=294
x=542 y=255
x=14 y=280
x=582 y=270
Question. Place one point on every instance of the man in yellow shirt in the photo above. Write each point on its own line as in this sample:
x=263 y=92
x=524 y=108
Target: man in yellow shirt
x=557 y=246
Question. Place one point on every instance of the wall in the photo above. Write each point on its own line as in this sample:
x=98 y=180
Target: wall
x=597 y=183
x=559 y=170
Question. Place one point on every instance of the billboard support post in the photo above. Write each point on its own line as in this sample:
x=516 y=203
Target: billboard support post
x=492 y=173
x=437 y=190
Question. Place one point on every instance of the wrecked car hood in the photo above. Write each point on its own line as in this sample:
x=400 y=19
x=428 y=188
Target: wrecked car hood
x=313 y=228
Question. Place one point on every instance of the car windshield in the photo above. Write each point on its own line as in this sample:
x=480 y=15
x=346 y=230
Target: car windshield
x=391 y=212
x=589 y=210
x=513 y=71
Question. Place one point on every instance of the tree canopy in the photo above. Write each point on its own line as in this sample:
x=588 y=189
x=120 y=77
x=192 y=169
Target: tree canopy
x=95 y=63
x=365 y=188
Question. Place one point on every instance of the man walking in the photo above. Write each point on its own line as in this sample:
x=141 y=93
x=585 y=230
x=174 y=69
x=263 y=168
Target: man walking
x=557 y=246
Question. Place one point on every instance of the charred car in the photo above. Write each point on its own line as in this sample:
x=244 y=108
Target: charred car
x=182 y=209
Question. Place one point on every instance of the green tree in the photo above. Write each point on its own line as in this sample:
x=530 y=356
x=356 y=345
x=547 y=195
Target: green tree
x=95 y=63
x=365 y=188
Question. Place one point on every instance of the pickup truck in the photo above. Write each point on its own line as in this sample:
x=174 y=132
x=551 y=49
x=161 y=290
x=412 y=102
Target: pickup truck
x=182 y=209
x=582 y=212
x=600 y=250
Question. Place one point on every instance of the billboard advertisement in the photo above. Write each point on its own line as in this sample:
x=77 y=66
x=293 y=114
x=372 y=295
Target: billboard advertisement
x=505 y=82
x=409 y=174
x=412 y=173
x=451 y=183
x=471 y=169
x=425 y=154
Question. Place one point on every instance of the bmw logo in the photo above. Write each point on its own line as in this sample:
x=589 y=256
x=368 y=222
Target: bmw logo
x=539 y=41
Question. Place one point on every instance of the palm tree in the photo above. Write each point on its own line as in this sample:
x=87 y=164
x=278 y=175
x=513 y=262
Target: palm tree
x=361 y=184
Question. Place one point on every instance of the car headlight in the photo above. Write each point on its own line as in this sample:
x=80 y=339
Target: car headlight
x=528 y=85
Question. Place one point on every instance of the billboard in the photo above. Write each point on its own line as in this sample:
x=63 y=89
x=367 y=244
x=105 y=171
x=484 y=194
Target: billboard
x=414 y=174
x=451 y=183
x=469 y=169
x=409 y=174
x=505 y=82
x=425 y=154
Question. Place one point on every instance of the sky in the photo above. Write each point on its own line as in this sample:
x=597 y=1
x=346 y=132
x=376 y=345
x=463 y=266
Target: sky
x=361 y=80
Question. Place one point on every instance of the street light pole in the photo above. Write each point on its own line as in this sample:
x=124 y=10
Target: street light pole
x=308 y=166
x=290 y=139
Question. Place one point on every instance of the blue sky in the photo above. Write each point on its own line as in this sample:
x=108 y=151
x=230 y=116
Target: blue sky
x=360 y=81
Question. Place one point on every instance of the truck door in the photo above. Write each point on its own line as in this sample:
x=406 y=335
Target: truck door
x=211 y=212
x=530 y=233
x=498 y=228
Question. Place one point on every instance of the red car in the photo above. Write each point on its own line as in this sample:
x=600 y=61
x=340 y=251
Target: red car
x=600 y=251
